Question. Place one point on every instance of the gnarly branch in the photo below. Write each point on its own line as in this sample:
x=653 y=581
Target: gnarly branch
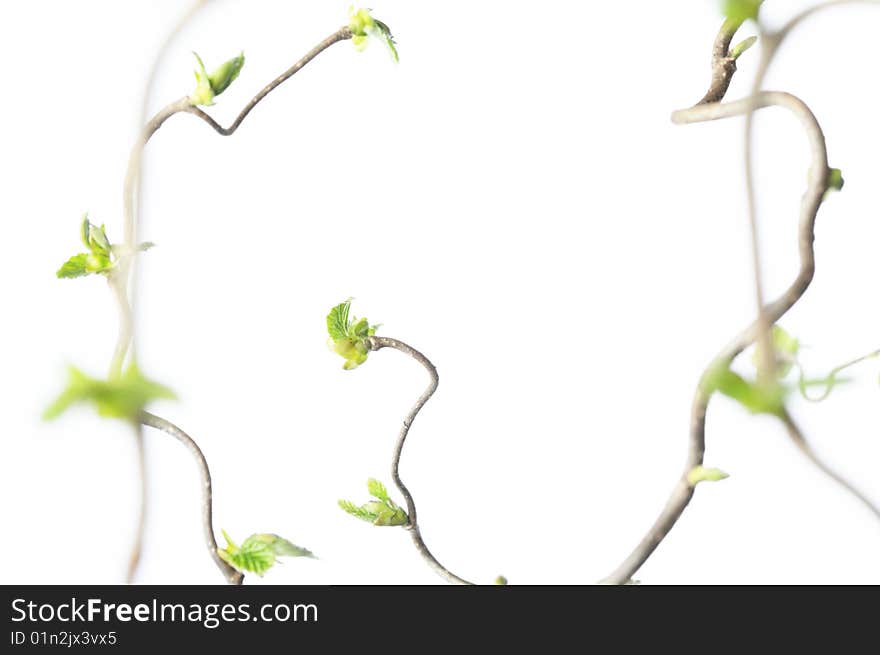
x=377 y=343
x=232 y=576
x=812 y=200
x=800 y=441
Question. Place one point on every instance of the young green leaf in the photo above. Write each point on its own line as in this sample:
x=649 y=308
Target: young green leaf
x=76 y=266
x=124 y=397
x=337 y=320
x=281 y=546
x=203 y=94
x=358 y=512
x=259 y=552
x=98 y=240
x=501 y=580
x=377 y=490
x=225 y=74
x=210 y=86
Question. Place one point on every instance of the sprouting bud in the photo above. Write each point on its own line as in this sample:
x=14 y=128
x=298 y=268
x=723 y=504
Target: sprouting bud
x=835 y=179
x=363 y=26
x=742 y=46
x=501 y=580
x=210 y=86
x=702 y=474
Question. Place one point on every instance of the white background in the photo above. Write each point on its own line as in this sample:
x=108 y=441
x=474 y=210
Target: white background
x=511 y=199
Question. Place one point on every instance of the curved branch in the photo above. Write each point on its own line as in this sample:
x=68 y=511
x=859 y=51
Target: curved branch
x=801 y=442
x=232 y=576
x=683 y=491
x=377 y=343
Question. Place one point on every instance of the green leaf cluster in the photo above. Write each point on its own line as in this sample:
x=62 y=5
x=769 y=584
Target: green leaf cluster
x=363 y=26
x=741 y=10
x=259 y=552
x=209 y=86
x=382 y=511
x=102 y=256
x=348 y=335
x=123 y=397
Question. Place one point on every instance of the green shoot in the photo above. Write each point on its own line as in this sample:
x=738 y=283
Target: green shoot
x=363 y=26
x=208 y=86
x=348 y=335
x=383 y=511
x=102 y=256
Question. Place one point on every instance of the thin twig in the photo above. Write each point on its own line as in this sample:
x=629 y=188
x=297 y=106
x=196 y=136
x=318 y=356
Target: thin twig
x=134 y=558
x=800 y=441
x=377 y=343
x=683 y=491
x=340 y=35
x=832 y=375
x=232 y=576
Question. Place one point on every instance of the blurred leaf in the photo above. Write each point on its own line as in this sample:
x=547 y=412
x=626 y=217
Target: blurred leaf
x=501 y=580
x=835 y=180
x=757 y=397
x=125 y=397
x=741 y=10
x=786 y=348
